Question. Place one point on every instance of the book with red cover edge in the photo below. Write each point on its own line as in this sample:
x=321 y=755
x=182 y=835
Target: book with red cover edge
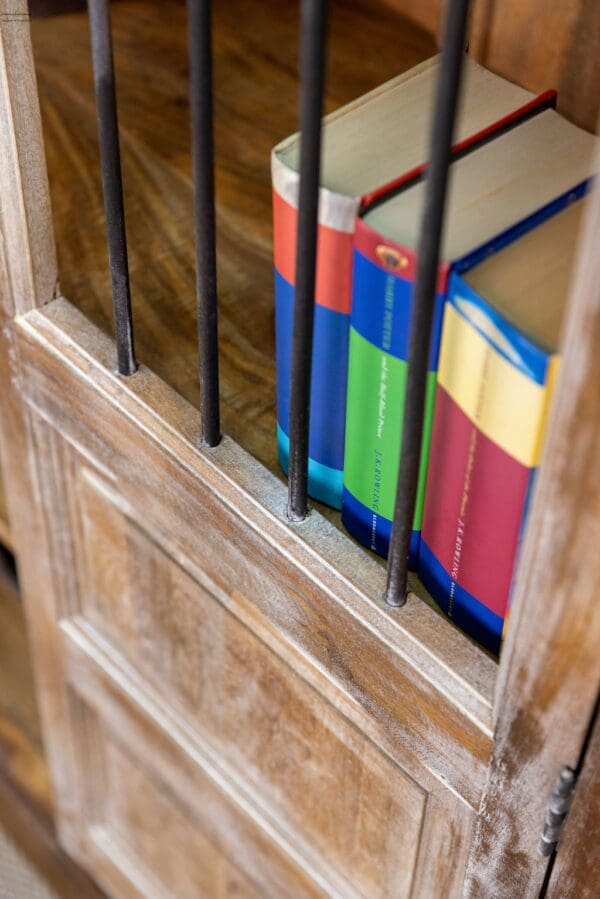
x=332 y=313
x=545 y=100
x=380 y=324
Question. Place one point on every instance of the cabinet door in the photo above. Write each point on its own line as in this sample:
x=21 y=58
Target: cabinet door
x=228 y=707
x=550 y=671
x=229 y=712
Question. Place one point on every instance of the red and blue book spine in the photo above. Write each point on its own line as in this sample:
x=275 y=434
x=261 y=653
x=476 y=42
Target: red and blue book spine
x=333 y=291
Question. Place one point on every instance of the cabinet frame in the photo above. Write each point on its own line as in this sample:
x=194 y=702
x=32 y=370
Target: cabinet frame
x=529 y=717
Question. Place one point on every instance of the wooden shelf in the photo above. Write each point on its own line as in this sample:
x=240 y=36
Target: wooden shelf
x=255 y=105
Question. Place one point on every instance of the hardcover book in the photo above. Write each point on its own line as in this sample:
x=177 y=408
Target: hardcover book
x=496 y=192
x=497 y=368
x=380 y=139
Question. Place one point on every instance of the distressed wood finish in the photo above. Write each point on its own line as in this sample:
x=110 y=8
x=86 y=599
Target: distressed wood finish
x=26 y=222
x=350 y=731
x=248 y=704
x=576 y=871
x=550 y=671
x=27 y=280
x=229 y=709
x=28 y=273
x=343 y=752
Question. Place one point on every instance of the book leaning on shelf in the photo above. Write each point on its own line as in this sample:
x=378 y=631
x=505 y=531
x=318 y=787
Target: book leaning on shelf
x=497 y=193
x=380 y=139
x=497 y=369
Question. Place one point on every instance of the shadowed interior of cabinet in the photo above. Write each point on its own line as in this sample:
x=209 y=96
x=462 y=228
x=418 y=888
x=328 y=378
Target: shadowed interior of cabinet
x=255 y=50
x=255 y=83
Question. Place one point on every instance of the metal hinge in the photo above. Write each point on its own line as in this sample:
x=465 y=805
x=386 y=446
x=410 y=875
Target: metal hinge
x=558 y=809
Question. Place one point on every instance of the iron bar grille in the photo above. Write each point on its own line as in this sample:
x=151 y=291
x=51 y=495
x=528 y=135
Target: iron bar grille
x=201 y=110
x=424 y=296
x=312 y=76
x=313 y=30
x=112 y=185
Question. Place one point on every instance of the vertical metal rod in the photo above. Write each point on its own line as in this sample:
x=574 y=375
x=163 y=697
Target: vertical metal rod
x=424 y=298
x=201 y=109
x=110 y=162
x=313 y=28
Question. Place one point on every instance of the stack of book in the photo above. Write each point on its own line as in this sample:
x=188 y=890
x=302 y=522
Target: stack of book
x=518 y=180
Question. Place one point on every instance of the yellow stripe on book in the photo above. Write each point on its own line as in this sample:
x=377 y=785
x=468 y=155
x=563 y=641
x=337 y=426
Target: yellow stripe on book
x=551 y=379
x=504 y=403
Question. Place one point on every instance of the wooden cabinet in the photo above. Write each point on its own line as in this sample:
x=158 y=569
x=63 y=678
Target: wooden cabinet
x=270 y=709
x=229 y=708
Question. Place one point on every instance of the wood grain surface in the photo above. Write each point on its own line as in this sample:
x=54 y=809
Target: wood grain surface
x=404 y=725
x=287 y=621
x=189 y=614
x=536 y=44
x=27 y=254
x=255 y=46
x=298 y=755
x=541 y=45
x=235 y=488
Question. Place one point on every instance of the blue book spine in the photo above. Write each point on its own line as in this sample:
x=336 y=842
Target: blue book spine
x=327 y=420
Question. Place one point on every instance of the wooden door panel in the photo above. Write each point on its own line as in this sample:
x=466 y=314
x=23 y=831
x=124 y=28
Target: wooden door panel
x=162 y=836
x=156 y=825
x=359 y=817
x=411 y=680
x=259 y=711
x=226 y=810
x=322 y=776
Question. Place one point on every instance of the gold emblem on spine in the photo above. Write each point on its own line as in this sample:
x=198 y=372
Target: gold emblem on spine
x=391 y=258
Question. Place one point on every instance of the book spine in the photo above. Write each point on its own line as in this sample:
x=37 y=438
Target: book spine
x=377 y=367
x=337 y=215
x=491 y=402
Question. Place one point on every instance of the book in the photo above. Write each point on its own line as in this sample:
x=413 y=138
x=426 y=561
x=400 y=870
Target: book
x=496 y=192
x=378 y=140
x=497 y=369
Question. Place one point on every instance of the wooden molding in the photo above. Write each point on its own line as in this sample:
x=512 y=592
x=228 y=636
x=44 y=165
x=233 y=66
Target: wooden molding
x=26 y=222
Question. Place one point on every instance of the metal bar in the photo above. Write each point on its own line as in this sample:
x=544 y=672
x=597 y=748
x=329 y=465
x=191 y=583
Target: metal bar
x=110 y=162
x=424 y=298
x=201 y=109
x=313 y=30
